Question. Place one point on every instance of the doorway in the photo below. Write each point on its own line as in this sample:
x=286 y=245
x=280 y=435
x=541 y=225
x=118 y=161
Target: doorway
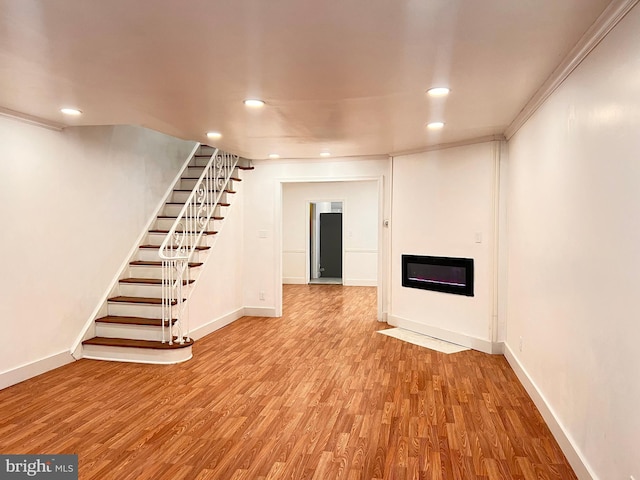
x=325 y=243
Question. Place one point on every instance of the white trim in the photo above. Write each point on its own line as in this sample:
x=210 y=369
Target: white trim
x=577 y=461
x=368 y=178
x=498 y=348
x=260 y=311
x=30 y=119
x=360 y=282
x=495 y=252
x=33 y=369
x=217 y=323
x=296 y=160
x=385 y=261
x=293 y=251
x=294 y=281
x=609 y=18
x=475 y=343
x=360 y=250
x=138 y=355
x=76 y=347
x=277 y=254
x=443 y=146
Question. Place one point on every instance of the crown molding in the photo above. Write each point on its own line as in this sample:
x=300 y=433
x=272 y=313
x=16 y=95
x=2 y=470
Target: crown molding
x=607 y=20
x=442 y=146
x=30 y=119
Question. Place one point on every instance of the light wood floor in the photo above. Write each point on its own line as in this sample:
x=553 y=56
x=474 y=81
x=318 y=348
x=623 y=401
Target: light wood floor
x=316 y=394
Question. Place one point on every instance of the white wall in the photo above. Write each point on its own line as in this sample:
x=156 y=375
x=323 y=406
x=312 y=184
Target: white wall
x=263 y=238
x=72 y=205
x=218 y=296
x=442 y=200
x=574 y=256
x=360 y=228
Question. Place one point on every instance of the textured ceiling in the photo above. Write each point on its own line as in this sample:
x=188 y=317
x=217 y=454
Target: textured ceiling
x=346 y=76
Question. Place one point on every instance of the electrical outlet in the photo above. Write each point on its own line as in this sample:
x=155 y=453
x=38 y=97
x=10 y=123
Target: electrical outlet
x=261 y=295
x=520 y=344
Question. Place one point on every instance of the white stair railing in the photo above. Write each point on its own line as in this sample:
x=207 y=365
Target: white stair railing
x=182 y=239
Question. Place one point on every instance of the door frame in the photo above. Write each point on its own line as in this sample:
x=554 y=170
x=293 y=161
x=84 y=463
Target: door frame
x=384 y=238
x=307 y=242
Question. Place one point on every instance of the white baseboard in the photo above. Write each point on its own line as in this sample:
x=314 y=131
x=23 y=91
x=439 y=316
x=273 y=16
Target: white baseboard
x=260 y=312
x=32 y=369
x=294 y=281
x=479 y=344
x=359 y=282
x=575 y=458
x=217 y=323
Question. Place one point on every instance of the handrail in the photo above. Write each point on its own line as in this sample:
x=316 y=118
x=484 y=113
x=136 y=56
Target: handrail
x=184 y=237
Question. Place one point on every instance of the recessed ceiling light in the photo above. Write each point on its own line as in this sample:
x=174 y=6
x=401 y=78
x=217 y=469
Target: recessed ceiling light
x=71 y=111
x=325 y=154
x=214 y=135
x=253 y=102
x=438 y=92
x=274 y=155
x=435 y=125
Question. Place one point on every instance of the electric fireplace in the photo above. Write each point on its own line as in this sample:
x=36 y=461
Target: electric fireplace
x=440 y=274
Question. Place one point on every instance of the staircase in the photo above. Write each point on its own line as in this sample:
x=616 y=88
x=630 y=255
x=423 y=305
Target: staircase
x=133 y=330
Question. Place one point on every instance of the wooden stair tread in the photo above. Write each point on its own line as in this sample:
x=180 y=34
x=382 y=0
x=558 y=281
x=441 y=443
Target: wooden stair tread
x=148 y=281
x=203 y=247
x=236 y=179
x=125 y=342
x=191 y=190
x=145 y=300
x=175 y=216
x=156 y=263
x=222 y=204
x=155 y=322
x=208 y=232
x=242 y=167
x=198 y=178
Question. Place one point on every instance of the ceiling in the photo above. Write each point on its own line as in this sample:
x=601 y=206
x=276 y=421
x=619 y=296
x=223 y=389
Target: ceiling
x=344 y=76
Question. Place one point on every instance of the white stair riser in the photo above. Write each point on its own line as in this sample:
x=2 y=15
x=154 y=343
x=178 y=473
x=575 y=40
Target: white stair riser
x=206 y=150
x=144 y=272
x=139 y=290
x=189 y=184
x=139 y=355
x=134 y=332
x=194 y=169
x=176 y=209
x=144 y=290
x=167 y=223
x=156 y=272
x=154 y=239
x=134 y=310
x=148 y=254
x=202 y=162
x=182 y=197
x=153 y=255
x=158 y=238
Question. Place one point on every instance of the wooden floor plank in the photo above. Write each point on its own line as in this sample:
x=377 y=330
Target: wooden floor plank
x=316 y=393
